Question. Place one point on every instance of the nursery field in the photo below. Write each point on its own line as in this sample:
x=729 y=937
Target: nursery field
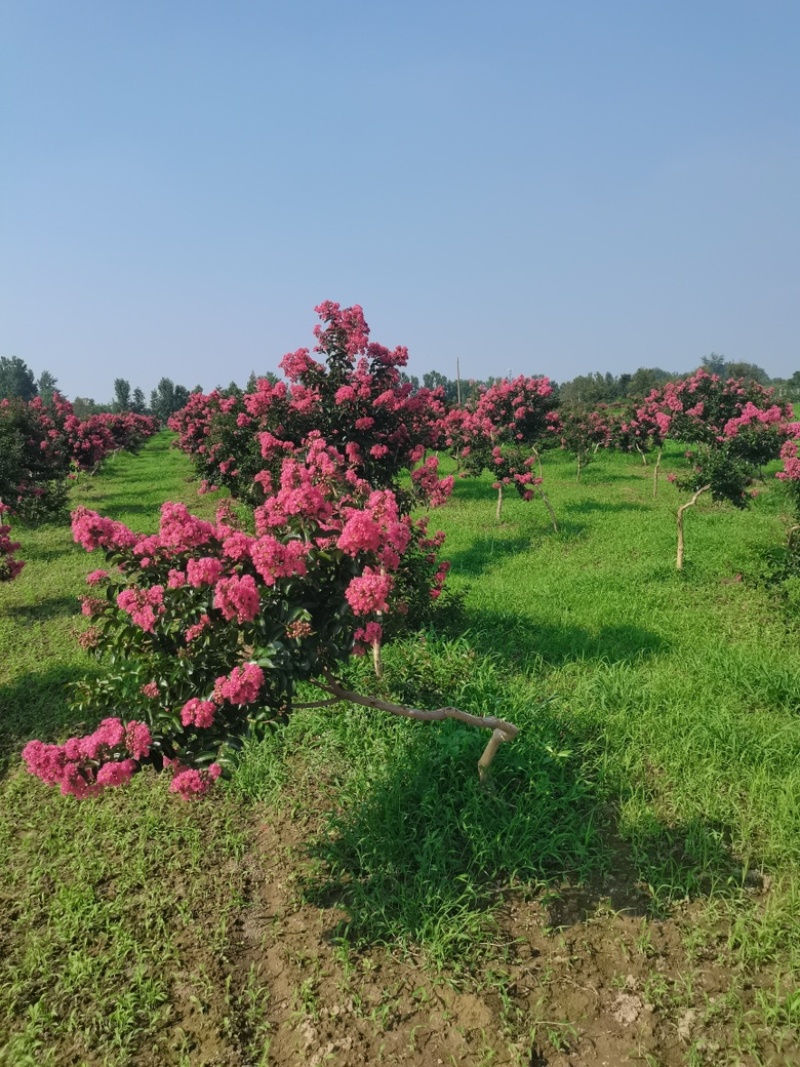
x=624 y=890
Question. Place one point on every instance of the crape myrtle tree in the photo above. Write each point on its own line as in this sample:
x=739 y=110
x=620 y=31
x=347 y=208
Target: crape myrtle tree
x=34 y=464
x=789 y=474
x=641 y=428
x=582 y=432
x=209 y=630
x=502 y=429
x=734 y=427
x=43 y=444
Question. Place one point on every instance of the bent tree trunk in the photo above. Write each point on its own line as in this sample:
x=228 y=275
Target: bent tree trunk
x=501 y=730
x=681 y=511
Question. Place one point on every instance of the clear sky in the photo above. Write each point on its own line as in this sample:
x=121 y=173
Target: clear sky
x=537 y=187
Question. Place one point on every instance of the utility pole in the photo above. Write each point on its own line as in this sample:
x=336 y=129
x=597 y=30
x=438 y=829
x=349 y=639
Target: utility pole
x=458 y=381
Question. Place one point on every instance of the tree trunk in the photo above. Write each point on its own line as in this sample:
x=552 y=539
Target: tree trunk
x=655 y=474
x=377 y=659
x=681 y=510
x=549 y=507
x=539 y=463
x=499 y=511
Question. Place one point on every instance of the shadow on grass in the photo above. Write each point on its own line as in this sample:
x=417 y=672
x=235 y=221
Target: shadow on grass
x=522 y=643
x=37 y=705
x=50 y=608
x=586 y=507
x=487 y=551
x=420 y=853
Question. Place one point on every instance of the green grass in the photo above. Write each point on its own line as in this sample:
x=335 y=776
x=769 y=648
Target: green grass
x=104 y=906
x=658 y=750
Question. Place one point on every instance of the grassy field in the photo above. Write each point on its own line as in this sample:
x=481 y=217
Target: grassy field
x=625 y=891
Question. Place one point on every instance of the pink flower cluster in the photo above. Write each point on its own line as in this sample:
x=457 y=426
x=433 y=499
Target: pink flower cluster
x=237 y=598
x=241 y=686
x=143 y=605
x=752 y=416
x=94 y=531
x=9 y=567
x=84 y=766
x=369 y=592
x=188 y=782
x=790 y=454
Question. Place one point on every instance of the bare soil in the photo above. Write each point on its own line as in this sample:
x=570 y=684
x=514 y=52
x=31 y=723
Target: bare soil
x=587 y=979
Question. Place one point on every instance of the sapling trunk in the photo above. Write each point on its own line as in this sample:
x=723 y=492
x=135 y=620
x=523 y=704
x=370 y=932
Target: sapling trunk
x=655 y=474
x=539 y=463
x=501 y=730
x=499 y=511
x=549 y=507
x=681 y=510
x=641 y=453
x=377 y=659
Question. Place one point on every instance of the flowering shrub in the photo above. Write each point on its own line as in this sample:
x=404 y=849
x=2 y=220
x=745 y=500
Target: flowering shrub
x=583 y=432
x=85 y=766
x=735 y=427
x=790 y=472
x=502 y=430
x=41 y=444
x=34 y=461
x=639 y=428
x=209 y=629
x=355 y=400
x=9 y=567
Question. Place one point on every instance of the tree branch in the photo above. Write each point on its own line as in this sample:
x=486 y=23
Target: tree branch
x=681 y=510
x=501 y=730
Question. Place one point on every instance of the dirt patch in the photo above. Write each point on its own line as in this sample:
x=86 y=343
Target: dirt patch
x=582 y=977
x=582 y=982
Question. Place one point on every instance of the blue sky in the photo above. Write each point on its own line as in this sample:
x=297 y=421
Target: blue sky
x=531 y=187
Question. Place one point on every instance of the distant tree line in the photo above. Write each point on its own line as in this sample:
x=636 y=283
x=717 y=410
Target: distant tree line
x=17 y=380
x=588 y=390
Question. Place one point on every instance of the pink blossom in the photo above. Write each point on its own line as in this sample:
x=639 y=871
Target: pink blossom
x=237 y=598
x=203 y=571
x=197 y=712
x=116 y=774
x=194 y=632
x=189 y=783
x=241 y=686
x=143 y=605
x=273 y=559
x=369 y=592
x=93 y=531
x=138 y=739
